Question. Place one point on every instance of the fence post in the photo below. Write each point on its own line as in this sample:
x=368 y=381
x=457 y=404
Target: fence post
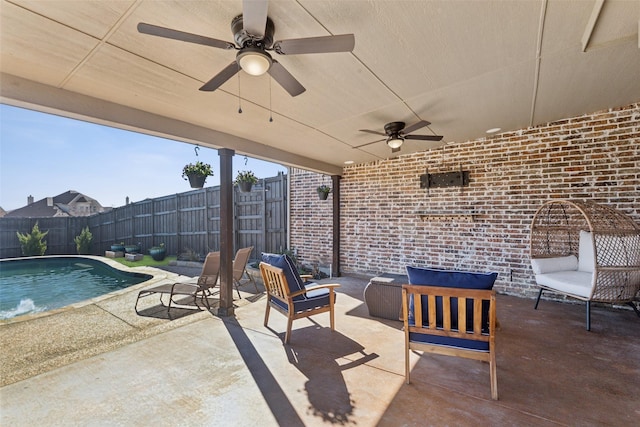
x=206 y=221
x=178 y=222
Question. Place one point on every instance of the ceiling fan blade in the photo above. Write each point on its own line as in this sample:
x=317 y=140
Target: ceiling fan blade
x=254 y=16
x=373 y=132
x=285 y=79
x=425 y=137
x=369 y=143
x=219 y=79
x=168 y=33
x=324 y=44
x=416 y=126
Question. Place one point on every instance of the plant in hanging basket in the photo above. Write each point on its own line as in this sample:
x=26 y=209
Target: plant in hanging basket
x=245 y=180
x=197 y=173
x=323 y=191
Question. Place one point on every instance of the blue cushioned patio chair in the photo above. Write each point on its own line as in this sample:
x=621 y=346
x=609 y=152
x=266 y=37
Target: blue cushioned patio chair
x=288 y=294
x=451 y=313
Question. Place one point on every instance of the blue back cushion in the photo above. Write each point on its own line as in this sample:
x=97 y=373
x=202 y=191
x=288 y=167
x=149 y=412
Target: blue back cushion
x=451 y=279
x=284 y=262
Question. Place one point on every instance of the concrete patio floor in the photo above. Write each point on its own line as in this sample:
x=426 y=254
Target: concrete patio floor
x=202 y=370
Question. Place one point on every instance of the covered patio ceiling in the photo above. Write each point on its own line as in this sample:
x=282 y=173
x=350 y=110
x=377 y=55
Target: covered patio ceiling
x=465 y=66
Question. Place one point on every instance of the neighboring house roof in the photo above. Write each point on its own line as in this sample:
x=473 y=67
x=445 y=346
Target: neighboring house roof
x=2 y=212
x=61 y=205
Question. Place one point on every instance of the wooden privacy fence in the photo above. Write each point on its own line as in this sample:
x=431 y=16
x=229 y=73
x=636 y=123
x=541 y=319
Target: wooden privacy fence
x=187 y=223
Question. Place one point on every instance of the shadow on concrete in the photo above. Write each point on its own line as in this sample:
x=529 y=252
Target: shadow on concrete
x=274 y=396
x=182 y=307
x=326 y=389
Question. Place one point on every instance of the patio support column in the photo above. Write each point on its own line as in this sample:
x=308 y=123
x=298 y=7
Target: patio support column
x=226 y=232
x=335 y=262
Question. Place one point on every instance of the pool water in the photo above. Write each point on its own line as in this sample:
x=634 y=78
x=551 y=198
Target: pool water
x=34 y=285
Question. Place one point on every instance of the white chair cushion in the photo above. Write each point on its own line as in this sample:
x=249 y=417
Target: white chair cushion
x=576 y=283
x=550 y=265
x=586 y=256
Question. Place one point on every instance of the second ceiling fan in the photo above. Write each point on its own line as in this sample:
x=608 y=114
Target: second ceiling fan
x=253 y=35
x=396 y=133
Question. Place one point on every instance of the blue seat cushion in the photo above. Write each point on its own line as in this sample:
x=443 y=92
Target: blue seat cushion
x=309 y=301
x=451 y=279
x=449 y=341
x=287 y=265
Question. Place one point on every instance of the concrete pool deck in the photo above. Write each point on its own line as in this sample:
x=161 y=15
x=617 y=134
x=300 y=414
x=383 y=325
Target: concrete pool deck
x=36 y=343
x=203 y=370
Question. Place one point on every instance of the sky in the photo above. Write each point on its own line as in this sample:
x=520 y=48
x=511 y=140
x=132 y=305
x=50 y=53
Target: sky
x=43 y=155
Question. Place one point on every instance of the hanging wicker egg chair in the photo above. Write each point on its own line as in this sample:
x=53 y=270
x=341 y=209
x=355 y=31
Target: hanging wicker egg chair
x=615 y=240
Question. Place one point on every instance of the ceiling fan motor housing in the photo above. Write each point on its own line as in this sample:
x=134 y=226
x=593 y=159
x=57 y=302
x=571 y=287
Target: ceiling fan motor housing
x=393 y=128
x=243 y=38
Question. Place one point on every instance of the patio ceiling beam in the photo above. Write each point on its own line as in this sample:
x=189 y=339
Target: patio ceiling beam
x=591 y=24
x=25 y=93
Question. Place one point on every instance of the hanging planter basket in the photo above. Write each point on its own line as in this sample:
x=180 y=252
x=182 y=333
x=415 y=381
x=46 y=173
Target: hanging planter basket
x=245 y=180
x=197 y=181
x=323 y=192
x=197 y=173
x=245 y=186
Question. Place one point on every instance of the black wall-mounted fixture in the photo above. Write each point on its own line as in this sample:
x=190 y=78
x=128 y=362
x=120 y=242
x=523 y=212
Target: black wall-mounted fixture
x=444 y=179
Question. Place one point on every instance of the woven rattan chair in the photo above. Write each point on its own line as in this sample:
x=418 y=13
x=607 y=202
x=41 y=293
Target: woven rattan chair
x=587 y=251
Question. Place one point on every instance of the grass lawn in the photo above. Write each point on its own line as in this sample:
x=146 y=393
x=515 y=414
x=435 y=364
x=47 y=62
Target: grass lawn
x=147 y=261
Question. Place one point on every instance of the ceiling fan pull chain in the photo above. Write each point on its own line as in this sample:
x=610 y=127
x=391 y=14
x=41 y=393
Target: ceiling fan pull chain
x=239 y=96
x=270 y=110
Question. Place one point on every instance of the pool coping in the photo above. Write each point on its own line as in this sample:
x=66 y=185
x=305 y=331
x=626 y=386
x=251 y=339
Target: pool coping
x=157 y=276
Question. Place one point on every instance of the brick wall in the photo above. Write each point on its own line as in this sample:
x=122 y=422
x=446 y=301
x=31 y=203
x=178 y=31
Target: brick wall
x=595 y=156
x=311 y=218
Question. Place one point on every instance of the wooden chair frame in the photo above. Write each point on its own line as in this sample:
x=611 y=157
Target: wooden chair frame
x=275 y=283
x=429 y=326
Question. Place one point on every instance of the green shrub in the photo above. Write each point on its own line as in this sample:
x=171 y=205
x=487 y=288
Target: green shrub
x=31 y=243
x=83 y=241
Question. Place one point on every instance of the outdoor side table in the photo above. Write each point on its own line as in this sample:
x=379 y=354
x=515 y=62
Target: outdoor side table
x=383 y=296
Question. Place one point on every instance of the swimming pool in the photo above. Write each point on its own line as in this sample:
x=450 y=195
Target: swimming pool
x=33 y=285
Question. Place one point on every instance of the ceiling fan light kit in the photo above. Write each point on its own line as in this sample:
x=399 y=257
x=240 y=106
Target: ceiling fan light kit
x=254 y=61
x=394 y=142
